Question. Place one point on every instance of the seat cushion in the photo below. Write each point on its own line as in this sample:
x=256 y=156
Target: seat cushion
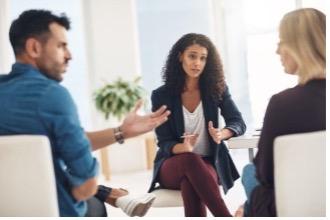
x=167 y=198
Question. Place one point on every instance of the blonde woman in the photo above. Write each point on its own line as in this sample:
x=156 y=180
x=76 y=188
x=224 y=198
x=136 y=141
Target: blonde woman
x=296 y=110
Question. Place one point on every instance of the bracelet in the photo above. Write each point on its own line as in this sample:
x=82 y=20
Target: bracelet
x=119 y=135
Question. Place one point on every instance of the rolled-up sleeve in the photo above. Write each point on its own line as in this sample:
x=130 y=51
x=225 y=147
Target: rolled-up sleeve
x=69 y=142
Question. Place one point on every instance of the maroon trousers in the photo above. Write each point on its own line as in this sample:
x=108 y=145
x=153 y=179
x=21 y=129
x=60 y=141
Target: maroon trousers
x=197 y=180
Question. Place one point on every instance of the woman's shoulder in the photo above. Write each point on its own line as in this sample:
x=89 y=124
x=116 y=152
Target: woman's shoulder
x=162 y=90
x=294 y=96
x=282 y=100
x=161 y=95
x=299 y=92
x=290 y=92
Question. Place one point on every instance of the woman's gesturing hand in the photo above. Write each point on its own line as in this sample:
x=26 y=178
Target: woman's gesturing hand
x=219 y=135
x=189 y=141
x=215 y=133
x=188 y=144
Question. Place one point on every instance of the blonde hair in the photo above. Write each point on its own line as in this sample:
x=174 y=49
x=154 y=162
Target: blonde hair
x=303 y=34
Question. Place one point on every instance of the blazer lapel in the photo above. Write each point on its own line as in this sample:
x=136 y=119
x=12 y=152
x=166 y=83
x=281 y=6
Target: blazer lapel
x=178 y=116
x=210 y=114
x=210 y=111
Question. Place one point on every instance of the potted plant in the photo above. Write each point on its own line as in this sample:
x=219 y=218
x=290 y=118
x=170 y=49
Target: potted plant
x=118 y=98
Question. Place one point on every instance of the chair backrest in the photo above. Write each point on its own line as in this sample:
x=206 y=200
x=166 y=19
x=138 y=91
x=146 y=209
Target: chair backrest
x=27 y=184
x=300 y=177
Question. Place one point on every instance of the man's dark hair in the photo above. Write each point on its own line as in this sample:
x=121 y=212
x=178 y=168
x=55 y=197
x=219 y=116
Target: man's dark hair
x=33 y=23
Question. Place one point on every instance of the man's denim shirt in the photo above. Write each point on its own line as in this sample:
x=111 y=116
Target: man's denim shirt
x=31 y=103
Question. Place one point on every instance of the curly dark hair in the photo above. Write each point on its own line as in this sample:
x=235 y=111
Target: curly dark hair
x=211 y=82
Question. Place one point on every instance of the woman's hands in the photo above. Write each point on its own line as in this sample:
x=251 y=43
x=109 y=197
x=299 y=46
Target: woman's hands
x=188 y=144
x=189 y=141
x=219 y=135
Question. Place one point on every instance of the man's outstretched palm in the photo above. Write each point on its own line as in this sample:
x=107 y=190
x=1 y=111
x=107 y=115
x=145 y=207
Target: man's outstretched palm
x=135 y=124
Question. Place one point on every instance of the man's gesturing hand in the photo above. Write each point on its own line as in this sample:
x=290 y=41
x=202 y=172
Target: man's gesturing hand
x=134 y=124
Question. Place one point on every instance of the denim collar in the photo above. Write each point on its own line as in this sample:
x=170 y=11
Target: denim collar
x=27 y=70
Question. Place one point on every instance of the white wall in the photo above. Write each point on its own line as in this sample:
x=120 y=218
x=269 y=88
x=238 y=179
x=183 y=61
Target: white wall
x=160 y=24
x=6 y=54
x=112 y=49
x=112 y=40
x=231 y=40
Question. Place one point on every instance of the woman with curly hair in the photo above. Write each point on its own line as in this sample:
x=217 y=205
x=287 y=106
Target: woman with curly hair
x=192 y=156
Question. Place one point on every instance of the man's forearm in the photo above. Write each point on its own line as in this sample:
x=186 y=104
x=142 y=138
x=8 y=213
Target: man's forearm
x=85 y=190
x=101 y=139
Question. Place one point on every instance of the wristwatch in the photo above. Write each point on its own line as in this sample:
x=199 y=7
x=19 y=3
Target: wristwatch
x=119 y=135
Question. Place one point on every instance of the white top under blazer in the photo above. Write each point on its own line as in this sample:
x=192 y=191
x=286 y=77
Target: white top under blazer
x=194 y=123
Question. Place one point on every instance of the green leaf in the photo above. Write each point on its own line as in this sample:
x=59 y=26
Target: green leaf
x=119 y=97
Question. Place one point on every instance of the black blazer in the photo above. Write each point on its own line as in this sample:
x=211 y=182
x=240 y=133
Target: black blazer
x=168 y=134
